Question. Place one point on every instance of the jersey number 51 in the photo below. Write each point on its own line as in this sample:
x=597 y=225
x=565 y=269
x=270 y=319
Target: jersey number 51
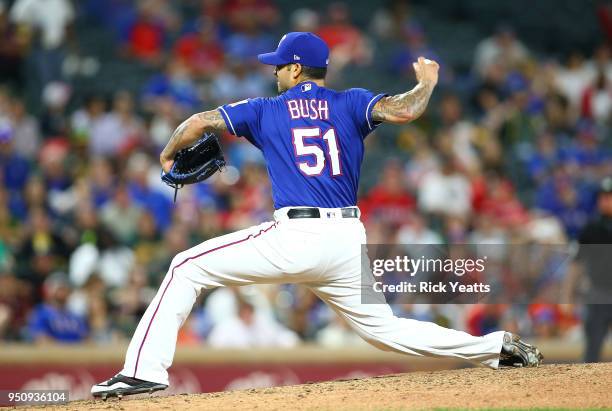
x=308 y=167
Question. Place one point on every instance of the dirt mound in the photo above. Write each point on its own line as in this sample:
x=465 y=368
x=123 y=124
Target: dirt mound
x=550 y=386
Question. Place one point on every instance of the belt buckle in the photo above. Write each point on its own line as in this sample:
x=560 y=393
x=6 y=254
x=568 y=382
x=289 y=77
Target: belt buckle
x=331 y=214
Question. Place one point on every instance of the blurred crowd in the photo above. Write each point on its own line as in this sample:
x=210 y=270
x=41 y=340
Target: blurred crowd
x=87 y=229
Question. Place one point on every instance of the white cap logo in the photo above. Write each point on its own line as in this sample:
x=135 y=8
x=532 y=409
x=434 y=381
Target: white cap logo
x=296 y=57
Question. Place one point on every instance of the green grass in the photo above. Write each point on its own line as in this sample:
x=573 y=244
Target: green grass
x=501 y=409
x=521 y=409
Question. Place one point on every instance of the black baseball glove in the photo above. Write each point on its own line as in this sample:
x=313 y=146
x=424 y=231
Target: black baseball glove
x=196 y=163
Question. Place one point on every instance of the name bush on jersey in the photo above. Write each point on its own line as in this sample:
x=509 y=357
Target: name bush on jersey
x=312 y=109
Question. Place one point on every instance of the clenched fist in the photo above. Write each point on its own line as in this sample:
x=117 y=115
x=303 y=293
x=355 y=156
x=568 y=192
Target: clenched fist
x=426 y=71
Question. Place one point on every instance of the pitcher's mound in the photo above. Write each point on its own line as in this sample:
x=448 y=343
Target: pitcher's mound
x=549 y=386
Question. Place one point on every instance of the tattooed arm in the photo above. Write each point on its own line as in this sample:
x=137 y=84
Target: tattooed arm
x=189 y=132
x=403 y=108
x=406 y=107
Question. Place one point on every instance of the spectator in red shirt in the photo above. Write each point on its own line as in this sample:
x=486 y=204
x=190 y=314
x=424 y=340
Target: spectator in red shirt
x=346 y=42
x=201 y=51
x=502 y=204
x=596 y=100
x=389 y=200
x=484 y=318
x=549 y=320
x=146 y=36
x=604 y=13
x=240 y=13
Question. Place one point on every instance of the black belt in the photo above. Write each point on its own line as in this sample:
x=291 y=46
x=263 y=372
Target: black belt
x=349 y=212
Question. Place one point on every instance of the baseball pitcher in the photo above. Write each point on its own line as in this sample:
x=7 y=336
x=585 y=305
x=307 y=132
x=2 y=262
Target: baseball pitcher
x=312 y=138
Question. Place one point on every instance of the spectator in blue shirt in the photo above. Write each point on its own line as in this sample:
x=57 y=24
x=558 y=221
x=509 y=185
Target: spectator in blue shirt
x=175 y=82
x=14 y=169
x=51 y=321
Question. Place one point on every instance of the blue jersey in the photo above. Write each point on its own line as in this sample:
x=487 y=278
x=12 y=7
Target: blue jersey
x=312 y=140
x=58 y=324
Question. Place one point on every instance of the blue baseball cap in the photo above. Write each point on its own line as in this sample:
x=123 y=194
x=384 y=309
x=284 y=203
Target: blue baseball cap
x=305 y=48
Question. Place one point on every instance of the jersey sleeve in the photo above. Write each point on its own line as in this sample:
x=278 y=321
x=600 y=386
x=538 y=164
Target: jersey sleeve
x=361 y=102
x=243 y=119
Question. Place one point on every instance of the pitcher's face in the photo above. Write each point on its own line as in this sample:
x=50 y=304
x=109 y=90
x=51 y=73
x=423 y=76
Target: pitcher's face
x=283 y=75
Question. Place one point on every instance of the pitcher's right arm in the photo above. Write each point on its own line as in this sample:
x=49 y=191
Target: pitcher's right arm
x=188 y=132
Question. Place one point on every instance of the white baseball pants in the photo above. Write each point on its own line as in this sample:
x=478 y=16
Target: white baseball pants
x=323 y=254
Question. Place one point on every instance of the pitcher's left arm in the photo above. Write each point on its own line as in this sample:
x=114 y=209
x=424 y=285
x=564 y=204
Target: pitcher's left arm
x=406 y=107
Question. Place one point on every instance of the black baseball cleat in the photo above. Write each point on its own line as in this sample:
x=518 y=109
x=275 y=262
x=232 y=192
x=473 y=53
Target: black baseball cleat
x=120 y=385
x=517 y=353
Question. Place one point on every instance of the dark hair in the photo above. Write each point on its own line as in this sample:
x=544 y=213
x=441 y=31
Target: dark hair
x=315 y=73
